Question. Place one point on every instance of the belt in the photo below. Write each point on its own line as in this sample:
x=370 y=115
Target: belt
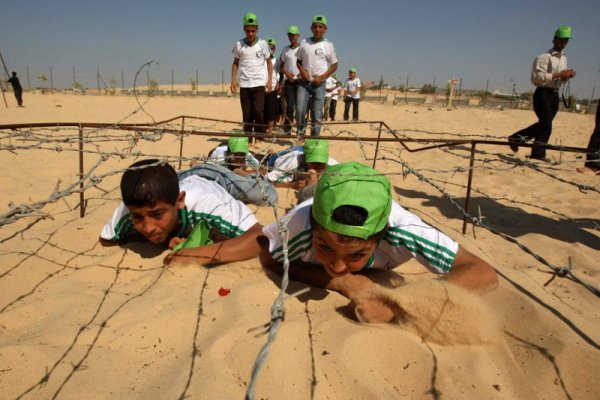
x=548 y=88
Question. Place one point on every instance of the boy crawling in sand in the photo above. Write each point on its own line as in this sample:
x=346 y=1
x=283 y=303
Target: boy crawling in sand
x=159 y=207
x=352 y=224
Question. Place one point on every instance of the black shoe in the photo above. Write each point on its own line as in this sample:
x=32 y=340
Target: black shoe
x=514 y=144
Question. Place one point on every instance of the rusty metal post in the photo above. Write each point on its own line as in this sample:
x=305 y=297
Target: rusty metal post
x=468 y=196
x=377 y=146
x=81 y=193
x=181 y=141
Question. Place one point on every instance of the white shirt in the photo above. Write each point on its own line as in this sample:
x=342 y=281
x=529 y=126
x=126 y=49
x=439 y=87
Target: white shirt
x=204 y=200
x=286 y=165
x=330 y=86
x=275 y=76
x=545 y=65
x=220 y=153
x=288 y=58
x=350 y=86
x=252 y=67
x=316 y=57
x=407 y=237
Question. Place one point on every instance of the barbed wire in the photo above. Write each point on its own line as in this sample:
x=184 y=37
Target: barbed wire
x=92 y=179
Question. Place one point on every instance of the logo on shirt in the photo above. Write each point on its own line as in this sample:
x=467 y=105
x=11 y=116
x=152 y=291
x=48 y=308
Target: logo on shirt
x=319 y=52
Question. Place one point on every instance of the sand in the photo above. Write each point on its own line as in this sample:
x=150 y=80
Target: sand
x=78 y=320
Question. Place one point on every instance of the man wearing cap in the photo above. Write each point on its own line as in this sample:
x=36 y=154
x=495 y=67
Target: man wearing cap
x=352 y=96
x=331 y=89
x=301 y=166
x=234 y=153
x=548 y=72
x=252 y=59
x=352 y=224
x=272 y=98
x=317 y=60
x=291 y=74
x=228 y=166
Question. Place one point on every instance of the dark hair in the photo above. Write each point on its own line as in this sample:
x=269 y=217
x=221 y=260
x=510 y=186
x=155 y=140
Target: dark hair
x=350 y=215
x=14 y=73
x=147 y=182
x=353 y=216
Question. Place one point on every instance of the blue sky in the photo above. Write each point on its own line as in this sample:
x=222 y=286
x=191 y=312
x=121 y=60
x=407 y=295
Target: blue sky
x=468 y=39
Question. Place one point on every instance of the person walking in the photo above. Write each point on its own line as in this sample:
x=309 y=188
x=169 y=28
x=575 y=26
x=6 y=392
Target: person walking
x=250 y=56
x=17 y=89
x=592 y=160
x=290 y=72
x=317 y=60
x=548 y=73
x=352 y=96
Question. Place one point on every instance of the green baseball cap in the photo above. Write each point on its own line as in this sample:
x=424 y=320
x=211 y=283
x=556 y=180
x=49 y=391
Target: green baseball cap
x=563 y=32
x=238 y=144
x=272 y=41
x=353 y=69
x=250 y=19
x=353 y=184
x=319 y=19
x=293 y=29
x=316 y=150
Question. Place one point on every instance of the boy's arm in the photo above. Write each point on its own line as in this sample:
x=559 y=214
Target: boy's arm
x=269 y=75
x=239 y=248
x=472 y=273
x=234 y=71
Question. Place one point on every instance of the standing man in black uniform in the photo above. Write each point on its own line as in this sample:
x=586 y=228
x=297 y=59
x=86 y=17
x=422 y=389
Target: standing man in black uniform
x=549 y=71
x=17 y=89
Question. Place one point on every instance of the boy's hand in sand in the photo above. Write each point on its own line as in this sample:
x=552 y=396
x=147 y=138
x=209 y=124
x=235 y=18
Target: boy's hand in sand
x=375 y=310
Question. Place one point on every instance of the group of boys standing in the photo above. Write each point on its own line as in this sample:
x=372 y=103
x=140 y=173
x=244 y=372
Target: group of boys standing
x=305 y=70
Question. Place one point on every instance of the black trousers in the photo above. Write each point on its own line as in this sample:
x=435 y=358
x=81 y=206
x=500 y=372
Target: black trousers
x=19 y=96
x=593 y=156
x=290 y=89
x=332 y=107
x=253 y=109
x=354 y=102
x=545 y=106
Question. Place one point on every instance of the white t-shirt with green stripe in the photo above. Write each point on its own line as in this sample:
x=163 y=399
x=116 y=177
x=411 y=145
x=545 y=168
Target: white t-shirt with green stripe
x=288 y=164
x=406 y=237
x=204 y=200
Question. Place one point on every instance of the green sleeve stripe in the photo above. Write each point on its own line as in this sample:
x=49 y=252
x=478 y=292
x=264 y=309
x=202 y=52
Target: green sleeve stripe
x=216 y=222
x=295 y=253
x=299 y=240
x=123 y=228
x=402 y=234
x=436 y=255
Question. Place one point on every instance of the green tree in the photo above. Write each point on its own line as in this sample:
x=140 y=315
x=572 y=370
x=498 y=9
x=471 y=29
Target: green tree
x=428 y=89
x=152 y=87
x=43 y=79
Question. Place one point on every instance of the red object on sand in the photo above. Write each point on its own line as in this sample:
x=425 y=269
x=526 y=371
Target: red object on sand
x=224 y=292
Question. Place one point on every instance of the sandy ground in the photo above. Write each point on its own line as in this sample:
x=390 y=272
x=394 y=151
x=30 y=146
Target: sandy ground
x=81 y=321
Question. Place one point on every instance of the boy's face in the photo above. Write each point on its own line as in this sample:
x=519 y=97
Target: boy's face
x=237 y=159
x=318 y=30
x=560 y=44
x=156 y=222
x=338 y=254
x=293 y=38
x=251 y=32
